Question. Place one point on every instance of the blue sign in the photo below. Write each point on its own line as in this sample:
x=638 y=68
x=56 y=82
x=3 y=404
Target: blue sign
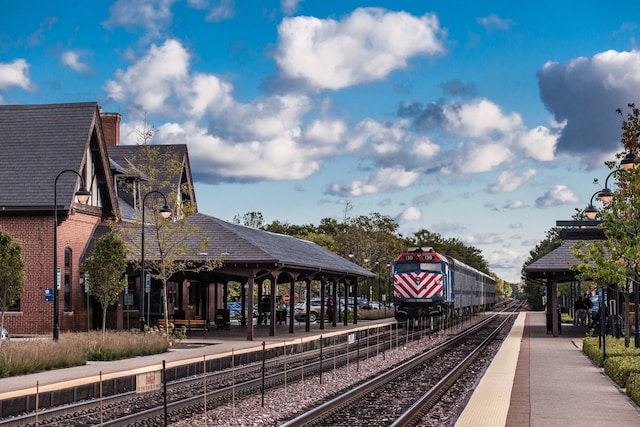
x=48 y=295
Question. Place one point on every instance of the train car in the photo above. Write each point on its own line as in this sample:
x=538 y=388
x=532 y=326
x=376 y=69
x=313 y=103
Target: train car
x=426 y=283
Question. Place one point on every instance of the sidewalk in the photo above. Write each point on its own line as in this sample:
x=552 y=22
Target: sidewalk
x=538 y=380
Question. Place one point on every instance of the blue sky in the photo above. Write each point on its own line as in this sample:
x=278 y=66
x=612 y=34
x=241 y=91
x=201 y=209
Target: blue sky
x=483 y=121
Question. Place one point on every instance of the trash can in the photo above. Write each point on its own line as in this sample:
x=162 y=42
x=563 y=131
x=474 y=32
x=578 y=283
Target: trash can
x=550 y=323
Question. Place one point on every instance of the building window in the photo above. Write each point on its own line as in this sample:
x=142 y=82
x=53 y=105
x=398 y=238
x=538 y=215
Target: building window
x=67 y=279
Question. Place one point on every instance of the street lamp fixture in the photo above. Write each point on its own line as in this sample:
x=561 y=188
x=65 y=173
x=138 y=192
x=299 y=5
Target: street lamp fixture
x=630 y=161
x=590 y=211
x=165 y=212
x=83 y=196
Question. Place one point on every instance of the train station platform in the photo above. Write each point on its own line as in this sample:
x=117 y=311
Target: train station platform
x=216 y=343
x=538 y=380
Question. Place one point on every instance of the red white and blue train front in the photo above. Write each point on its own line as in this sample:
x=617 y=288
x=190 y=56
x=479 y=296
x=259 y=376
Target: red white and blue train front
x=421 y=284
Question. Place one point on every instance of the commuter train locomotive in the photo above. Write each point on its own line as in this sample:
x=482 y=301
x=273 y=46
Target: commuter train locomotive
x=426 y=283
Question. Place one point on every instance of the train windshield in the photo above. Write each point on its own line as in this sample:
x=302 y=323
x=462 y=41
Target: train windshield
x=405 y=267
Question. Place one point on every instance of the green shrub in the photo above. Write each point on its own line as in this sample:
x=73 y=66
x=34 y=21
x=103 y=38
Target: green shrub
x=591 y=349
x=614 y=348
x=633 y=387
x=619 y=368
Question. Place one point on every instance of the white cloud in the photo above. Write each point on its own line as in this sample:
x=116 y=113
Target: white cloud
x=150 y=15
x=325 y=131
x=411 y=214
x=249 y=160
x=15 y=73
x=390 y=144
x=539 y=143
x=505 y=260
x=477 y=158
x=383 y=179
x=204 y=93
x=481 y=118
x=483 y=239
x=509 y=181
x=71 y=59
x=224 y=10
x=493 y=22
x=363 y=47
x=514 y=204
x=152 y=80
x=289 y=6
x=556 y=196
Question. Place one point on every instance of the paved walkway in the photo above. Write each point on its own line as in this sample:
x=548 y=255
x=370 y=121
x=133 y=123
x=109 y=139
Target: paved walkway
x=537 y=380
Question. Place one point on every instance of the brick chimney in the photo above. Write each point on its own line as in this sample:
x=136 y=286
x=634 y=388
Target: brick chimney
x=111 y=128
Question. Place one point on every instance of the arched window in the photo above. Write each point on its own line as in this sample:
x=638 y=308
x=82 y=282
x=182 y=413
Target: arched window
x=68 y=264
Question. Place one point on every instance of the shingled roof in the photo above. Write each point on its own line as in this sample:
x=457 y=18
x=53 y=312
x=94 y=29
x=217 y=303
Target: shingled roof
x=126 y=160
x=40 y=141
x=555 y=265
x=251 y=246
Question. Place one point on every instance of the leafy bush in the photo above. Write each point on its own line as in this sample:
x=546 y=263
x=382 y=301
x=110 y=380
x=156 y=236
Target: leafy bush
x=633 y=387
x=619 y=368
x=614 y=348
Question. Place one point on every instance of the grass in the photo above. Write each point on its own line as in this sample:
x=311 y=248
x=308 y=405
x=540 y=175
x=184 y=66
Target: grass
x=75 y=349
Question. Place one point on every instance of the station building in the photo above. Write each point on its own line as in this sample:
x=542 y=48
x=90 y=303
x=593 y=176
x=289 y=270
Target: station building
x=50 y=152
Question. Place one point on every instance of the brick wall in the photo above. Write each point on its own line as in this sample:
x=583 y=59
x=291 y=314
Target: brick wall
x=35 y=234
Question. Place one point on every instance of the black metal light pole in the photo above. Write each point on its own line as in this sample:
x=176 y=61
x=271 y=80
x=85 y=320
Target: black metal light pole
x=83 y=197
x=636 y=302
x=165 y=211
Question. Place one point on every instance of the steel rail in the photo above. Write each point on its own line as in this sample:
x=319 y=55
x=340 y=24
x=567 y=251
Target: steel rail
x=415 y=411
x=354 y=394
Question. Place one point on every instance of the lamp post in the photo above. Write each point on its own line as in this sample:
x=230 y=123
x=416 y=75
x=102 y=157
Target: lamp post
x=165 y=212
x=83 y=196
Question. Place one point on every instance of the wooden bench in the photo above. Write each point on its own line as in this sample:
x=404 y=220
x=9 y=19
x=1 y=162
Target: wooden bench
x=191 y=324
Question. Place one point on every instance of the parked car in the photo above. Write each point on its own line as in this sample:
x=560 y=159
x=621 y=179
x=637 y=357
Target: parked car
x=4 y=335
x=300 y=310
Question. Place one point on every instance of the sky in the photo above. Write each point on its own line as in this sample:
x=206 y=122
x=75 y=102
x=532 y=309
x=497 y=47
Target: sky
x=484 y=121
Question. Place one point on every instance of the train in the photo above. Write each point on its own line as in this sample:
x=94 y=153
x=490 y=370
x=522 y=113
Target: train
x=427 y=283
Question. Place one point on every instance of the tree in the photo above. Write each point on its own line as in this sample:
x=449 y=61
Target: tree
x=452 y=247
x=251 y=219
x=614 y=262
x=12 y=275
x=174 y=243
x=105 y=270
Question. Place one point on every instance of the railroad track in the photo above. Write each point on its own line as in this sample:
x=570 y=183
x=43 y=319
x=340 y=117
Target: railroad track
x=181 y=399
x=398 y=397
x=190 y=394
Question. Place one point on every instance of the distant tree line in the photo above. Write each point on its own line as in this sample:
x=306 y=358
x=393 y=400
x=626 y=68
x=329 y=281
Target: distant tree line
x=373 y=241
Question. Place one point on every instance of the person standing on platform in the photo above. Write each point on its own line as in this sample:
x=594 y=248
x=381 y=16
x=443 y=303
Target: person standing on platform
x=588 y=305
x=330 y=310
x=578 y=316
